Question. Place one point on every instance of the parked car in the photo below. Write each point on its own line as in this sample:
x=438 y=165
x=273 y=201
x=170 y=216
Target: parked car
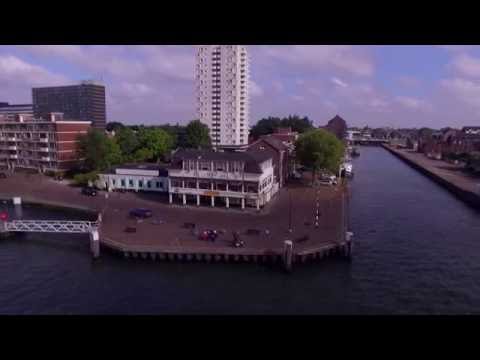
x=296 y=175
x=3 y=175
x=141 y=213
x=327 y=179
x=89 y=191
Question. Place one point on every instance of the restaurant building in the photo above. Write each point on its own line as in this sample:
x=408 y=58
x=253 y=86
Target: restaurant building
x=243 y=179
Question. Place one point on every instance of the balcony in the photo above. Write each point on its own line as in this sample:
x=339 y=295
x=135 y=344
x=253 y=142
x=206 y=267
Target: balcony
x=44 y=149
x=12 y=148
x=13 y=156
x=43 y=140
x=11 y=138
x=45 y=158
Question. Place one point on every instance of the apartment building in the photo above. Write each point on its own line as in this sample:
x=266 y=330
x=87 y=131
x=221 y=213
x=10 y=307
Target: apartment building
x=221 y=178
x=43 y=145
x=10 y=110
x=83 y=102
x=222 y=90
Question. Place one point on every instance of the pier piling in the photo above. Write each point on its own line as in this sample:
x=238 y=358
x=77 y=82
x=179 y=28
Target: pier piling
x=288 y=255
x=95 y=243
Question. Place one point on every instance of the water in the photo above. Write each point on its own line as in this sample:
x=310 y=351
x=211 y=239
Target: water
x=417 y=251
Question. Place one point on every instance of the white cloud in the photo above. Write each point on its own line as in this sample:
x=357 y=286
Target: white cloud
x=350 y=59
x=255 y=89
x=278 y=86
x=15 y=70
x=456 y=48
x=413 y=103
x=298 y=97
x=467 y=65
x=466 y=91
x=338 y=82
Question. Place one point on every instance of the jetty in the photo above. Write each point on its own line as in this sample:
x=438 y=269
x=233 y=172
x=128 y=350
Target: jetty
x=302 y=224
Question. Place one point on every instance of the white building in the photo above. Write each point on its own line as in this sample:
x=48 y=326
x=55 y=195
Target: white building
x=224 y=178
x=222 y=86
x=136 y=177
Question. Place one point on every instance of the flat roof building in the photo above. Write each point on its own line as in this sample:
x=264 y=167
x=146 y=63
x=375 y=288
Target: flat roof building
x=222 y=90
x=83 y=102
x=135 y=177
x=10 y=110
x=43 y=145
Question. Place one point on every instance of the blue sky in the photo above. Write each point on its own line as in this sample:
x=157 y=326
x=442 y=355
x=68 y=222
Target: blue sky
x=400 y=86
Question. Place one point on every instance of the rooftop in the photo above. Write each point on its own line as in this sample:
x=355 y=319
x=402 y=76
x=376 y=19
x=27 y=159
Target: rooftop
x=251 y=159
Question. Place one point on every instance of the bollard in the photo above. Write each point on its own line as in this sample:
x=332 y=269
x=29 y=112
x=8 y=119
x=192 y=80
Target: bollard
x=349 y=237
x=95 y=243
x=17 y=201
x=288 y=255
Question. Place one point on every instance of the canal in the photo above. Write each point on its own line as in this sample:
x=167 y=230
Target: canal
x=416 y=252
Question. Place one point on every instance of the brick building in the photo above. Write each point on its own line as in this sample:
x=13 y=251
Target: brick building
x=43 y=145
x=278 y=151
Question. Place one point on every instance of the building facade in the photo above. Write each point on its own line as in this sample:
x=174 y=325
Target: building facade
x=11 y=110
x=278 y=151
x=135 y=177
x=43 y=145
x=83 y=102
x=222 y=90
x=221 y=178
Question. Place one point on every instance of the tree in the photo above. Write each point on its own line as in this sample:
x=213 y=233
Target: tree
x=98 y=151
x=297 y=123
x=128 y=141
x=319 y=149
x=114 y=126
x=156 y=142
x=269 y=125
x=265 y=126
x=197 y=135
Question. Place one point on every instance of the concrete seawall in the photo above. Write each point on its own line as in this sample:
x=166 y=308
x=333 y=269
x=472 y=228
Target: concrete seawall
x=454 y=184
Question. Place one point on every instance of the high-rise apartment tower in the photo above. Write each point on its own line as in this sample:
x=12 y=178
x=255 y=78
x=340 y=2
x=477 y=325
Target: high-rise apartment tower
x=222 y=82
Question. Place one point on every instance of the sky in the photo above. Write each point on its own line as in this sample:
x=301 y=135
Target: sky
x=397 y=86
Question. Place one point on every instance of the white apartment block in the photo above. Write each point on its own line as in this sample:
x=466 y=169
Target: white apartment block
x=222 y=85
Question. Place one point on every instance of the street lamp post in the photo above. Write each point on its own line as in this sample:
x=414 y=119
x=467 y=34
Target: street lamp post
x=290 y=211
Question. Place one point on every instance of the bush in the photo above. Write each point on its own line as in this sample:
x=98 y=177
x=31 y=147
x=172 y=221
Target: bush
x=84 y=179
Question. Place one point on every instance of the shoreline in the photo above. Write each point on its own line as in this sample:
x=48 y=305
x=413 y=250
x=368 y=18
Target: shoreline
x=168 y=240
x=462 y=187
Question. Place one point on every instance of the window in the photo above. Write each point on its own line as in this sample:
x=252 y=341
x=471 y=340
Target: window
x=130 y=183
x=122 y=182
x=205 y=165
x=140 y=183
x=159 y=185
x=149 y=184
x=113 y=182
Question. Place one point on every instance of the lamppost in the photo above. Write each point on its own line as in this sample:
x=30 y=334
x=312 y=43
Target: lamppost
x=290 y=211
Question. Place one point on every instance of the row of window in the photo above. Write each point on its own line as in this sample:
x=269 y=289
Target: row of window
x=149 y=184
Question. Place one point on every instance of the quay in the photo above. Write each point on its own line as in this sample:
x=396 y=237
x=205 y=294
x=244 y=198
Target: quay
x=301 y=224
x=449 y=176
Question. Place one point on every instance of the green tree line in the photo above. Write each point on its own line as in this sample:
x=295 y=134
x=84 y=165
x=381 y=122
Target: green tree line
x=135 y=144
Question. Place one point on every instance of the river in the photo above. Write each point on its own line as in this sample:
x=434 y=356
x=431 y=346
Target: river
x=417 y=251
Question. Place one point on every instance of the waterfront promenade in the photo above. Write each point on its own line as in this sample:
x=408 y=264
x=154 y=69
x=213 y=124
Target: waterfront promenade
x=164 y=235
x=451 y=176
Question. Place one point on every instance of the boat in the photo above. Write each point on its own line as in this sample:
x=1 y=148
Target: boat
x=355 y=152
x=347 y=169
